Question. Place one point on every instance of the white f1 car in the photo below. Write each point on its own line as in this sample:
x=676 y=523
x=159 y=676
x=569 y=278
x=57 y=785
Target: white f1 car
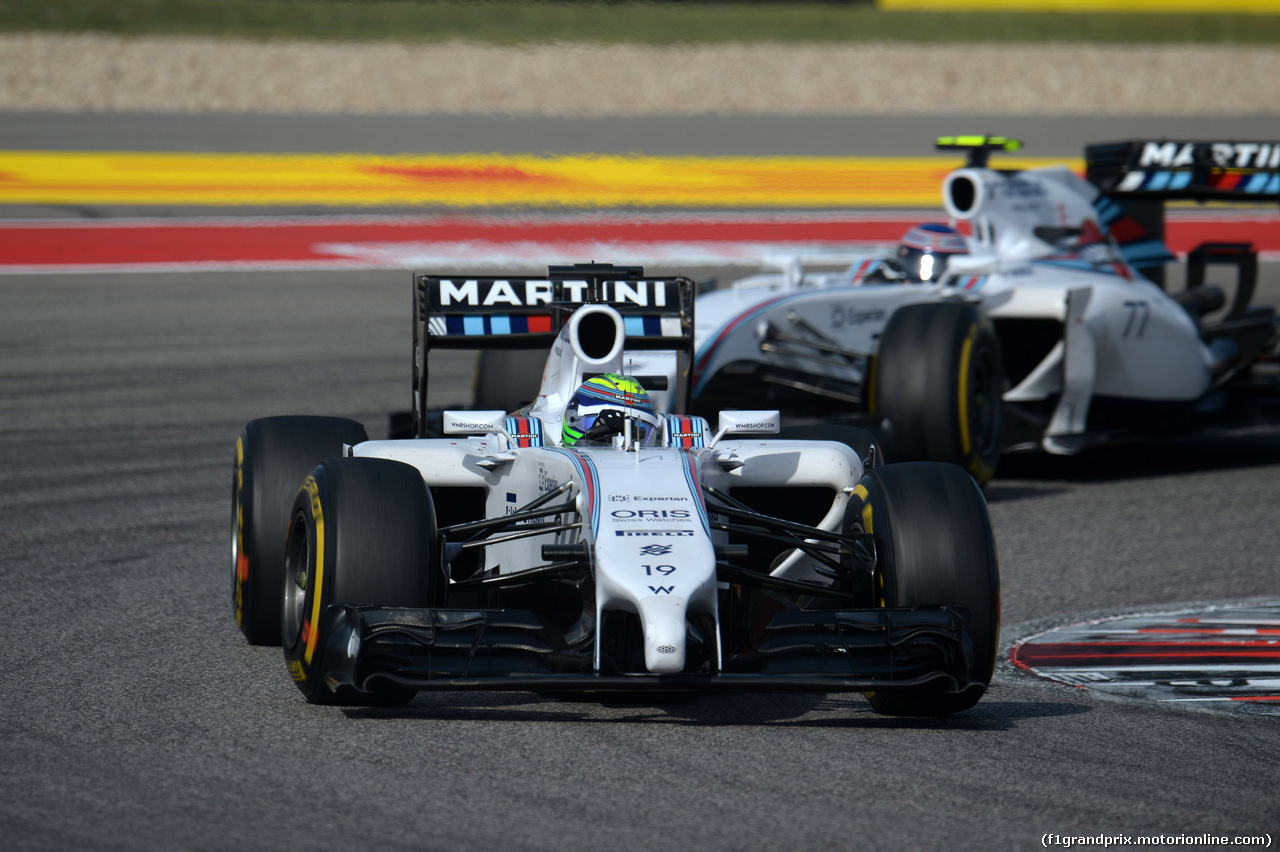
x=1037 y=332
x=653 y=554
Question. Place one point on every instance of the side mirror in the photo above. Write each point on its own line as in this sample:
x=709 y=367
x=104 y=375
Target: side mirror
x=474 y=422
x=747 y=423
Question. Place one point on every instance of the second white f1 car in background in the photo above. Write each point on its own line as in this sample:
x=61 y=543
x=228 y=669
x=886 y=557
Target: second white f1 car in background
x=1044 y=328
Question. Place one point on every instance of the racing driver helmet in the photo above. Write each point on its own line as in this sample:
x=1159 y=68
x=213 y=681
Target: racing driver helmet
x=925 y=250
x=600 y=408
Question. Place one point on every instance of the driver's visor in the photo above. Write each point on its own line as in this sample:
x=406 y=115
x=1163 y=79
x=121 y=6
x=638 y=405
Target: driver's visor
x=643 y=433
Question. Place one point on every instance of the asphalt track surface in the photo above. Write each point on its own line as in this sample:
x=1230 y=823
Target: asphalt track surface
x=133 y=716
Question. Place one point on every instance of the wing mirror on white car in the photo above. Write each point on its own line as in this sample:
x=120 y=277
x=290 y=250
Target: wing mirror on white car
x=747 y=423
x=474 y=422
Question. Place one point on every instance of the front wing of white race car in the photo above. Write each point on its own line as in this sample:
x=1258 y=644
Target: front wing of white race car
x=372 y=648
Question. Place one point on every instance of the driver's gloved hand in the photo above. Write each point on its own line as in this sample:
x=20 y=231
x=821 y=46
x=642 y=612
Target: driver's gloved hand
x=888 y=271
x=608 y=423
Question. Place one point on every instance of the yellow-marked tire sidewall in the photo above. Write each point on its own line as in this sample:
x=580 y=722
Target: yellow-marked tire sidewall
x=273 y=455
x=363 y=532
x=862 y=516
x=933 y=491
x=922 y=381
x=239 y=558
x=978 y=343
x=308 y=550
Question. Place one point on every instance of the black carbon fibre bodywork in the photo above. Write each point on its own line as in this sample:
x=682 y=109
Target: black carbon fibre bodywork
x=828 y=651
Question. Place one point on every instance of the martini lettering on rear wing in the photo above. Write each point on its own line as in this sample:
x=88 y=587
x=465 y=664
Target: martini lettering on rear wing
x=1169 y=169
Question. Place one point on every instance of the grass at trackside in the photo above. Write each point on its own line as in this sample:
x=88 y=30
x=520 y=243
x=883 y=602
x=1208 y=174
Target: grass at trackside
x=508 y=21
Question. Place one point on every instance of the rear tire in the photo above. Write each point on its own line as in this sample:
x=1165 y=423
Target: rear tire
x=938 y=378
x=934 y=546
x=273 y=455
x=363 y=531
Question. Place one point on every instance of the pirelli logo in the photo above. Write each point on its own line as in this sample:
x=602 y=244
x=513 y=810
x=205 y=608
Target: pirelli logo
x=653 y=533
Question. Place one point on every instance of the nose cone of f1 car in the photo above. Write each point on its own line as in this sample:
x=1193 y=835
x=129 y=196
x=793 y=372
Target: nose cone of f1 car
x=653 y=550
x=663 y=620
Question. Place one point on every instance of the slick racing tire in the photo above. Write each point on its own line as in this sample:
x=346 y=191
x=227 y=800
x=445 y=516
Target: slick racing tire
x=934 y=546
x=273 y=455
x=937 y=378
x=362 y=531
x=506 y=380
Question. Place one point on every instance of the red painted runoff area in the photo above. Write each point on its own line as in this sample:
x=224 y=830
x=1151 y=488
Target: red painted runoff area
x=370 y=242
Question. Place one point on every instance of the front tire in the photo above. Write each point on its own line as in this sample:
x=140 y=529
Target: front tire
x=934 y=546
x=273 y=455
x=362 y=531
x=938 y=379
